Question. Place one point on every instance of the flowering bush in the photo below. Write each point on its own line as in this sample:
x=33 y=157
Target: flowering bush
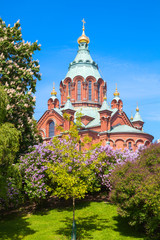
x=136 y=190
x=104 y=159
x=33 y=166
x=50 y=164
x=18 y=74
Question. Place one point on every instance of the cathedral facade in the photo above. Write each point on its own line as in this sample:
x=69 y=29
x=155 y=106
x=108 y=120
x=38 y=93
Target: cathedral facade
x=84 y=91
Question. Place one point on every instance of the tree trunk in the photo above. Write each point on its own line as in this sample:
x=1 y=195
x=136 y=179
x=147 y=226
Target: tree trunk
x=74 y=223
x=73 y=209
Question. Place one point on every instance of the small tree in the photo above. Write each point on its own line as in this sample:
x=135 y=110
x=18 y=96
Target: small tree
x=71 y=175
x=18 y=74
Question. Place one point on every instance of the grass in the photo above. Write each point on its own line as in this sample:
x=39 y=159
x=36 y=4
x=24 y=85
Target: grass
x=95 y=220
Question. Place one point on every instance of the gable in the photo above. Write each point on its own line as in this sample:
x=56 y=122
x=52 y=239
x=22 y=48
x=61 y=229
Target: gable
x=120 y=119
x=86 y=119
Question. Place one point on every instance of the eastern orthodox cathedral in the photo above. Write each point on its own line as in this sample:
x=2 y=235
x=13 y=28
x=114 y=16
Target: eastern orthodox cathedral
x=84 y=91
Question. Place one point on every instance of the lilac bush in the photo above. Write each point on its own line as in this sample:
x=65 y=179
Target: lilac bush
x=34 y=165
x=33 y=168
x=105 y=158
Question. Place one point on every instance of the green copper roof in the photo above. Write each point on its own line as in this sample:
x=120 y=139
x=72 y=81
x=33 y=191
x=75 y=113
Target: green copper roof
x=125 y=129
x=58 y=111
x=116 y=98
x=137 y=117
x=91 y=112
x=83 y=65
x=68 y=105
x=53 y=97
x=114 y=110
x=105 y=106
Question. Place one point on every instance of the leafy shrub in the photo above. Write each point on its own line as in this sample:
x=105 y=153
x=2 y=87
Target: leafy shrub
x=136 y=191
x=10 y=187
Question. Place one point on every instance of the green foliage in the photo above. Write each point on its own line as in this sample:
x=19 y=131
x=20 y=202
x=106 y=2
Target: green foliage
x=18 y=74
x=136 y=191
x=10 y=178
x=71 y=175
x=3 y=104
x=9 y=143
x=10 y=185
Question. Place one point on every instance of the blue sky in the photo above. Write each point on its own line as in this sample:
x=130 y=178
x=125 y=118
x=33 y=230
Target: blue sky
x=124 y=41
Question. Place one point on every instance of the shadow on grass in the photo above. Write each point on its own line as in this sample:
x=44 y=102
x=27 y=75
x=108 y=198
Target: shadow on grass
x=60 y=206
x=14 y=227
x=84 y=225
x=125 y=229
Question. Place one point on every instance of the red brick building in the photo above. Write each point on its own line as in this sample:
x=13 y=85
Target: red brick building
x=83 y=90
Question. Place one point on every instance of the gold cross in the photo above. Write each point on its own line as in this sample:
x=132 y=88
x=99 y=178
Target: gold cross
x=83 y=22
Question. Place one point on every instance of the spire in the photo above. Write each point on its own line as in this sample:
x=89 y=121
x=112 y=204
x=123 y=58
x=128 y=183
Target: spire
x=105 y=105
x=131 y=118
x=68 y=104
x=137 y=109
x=83 y=38
x=53 y=93
x=116 y=93
x=137 y=116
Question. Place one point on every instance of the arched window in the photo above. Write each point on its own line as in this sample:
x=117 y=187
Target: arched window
x=79 y=90
x=98 y=92
x=69 y=88
x=130 y=145
x=51 y=129
x=90 y=90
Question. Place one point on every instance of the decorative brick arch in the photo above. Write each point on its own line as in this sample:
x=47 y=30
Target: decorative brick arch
x=119 y=143
x=94 y=90
x=133 y=144
x=147 y=143
x=102 y=89
x=42 y=132
x=76 y=80
x=47 y=125
x=112 y=142
x=139 y=140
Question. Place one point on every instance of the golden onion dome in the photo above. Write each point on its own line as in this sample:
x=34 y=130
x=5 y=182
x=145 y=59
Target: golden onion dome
x=83 y=38
x=116 y=93
x=104 y=98
x=53 y=91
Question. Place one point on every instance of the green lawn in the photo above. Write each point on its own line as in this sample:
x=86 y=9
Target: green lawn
x=95 y=220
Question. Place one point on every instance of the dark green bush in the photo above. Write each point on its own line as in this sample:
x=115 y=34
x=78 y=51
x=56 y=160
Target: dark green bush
x=136 y=191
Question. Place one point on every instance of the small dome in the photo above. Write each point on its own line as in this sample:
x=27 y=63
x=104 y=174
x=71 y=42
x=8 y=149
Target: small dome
x=116 y=93
x=53 y=93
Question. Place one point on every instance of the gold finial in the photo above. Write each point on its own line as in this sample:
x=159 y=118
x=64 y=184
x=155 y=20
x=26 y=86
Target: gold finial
x=131 y=117
x=54 y=91
x=137 y=109
x=83 y=38
x=68 y=97
x=83 y=24
x=116 y=93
